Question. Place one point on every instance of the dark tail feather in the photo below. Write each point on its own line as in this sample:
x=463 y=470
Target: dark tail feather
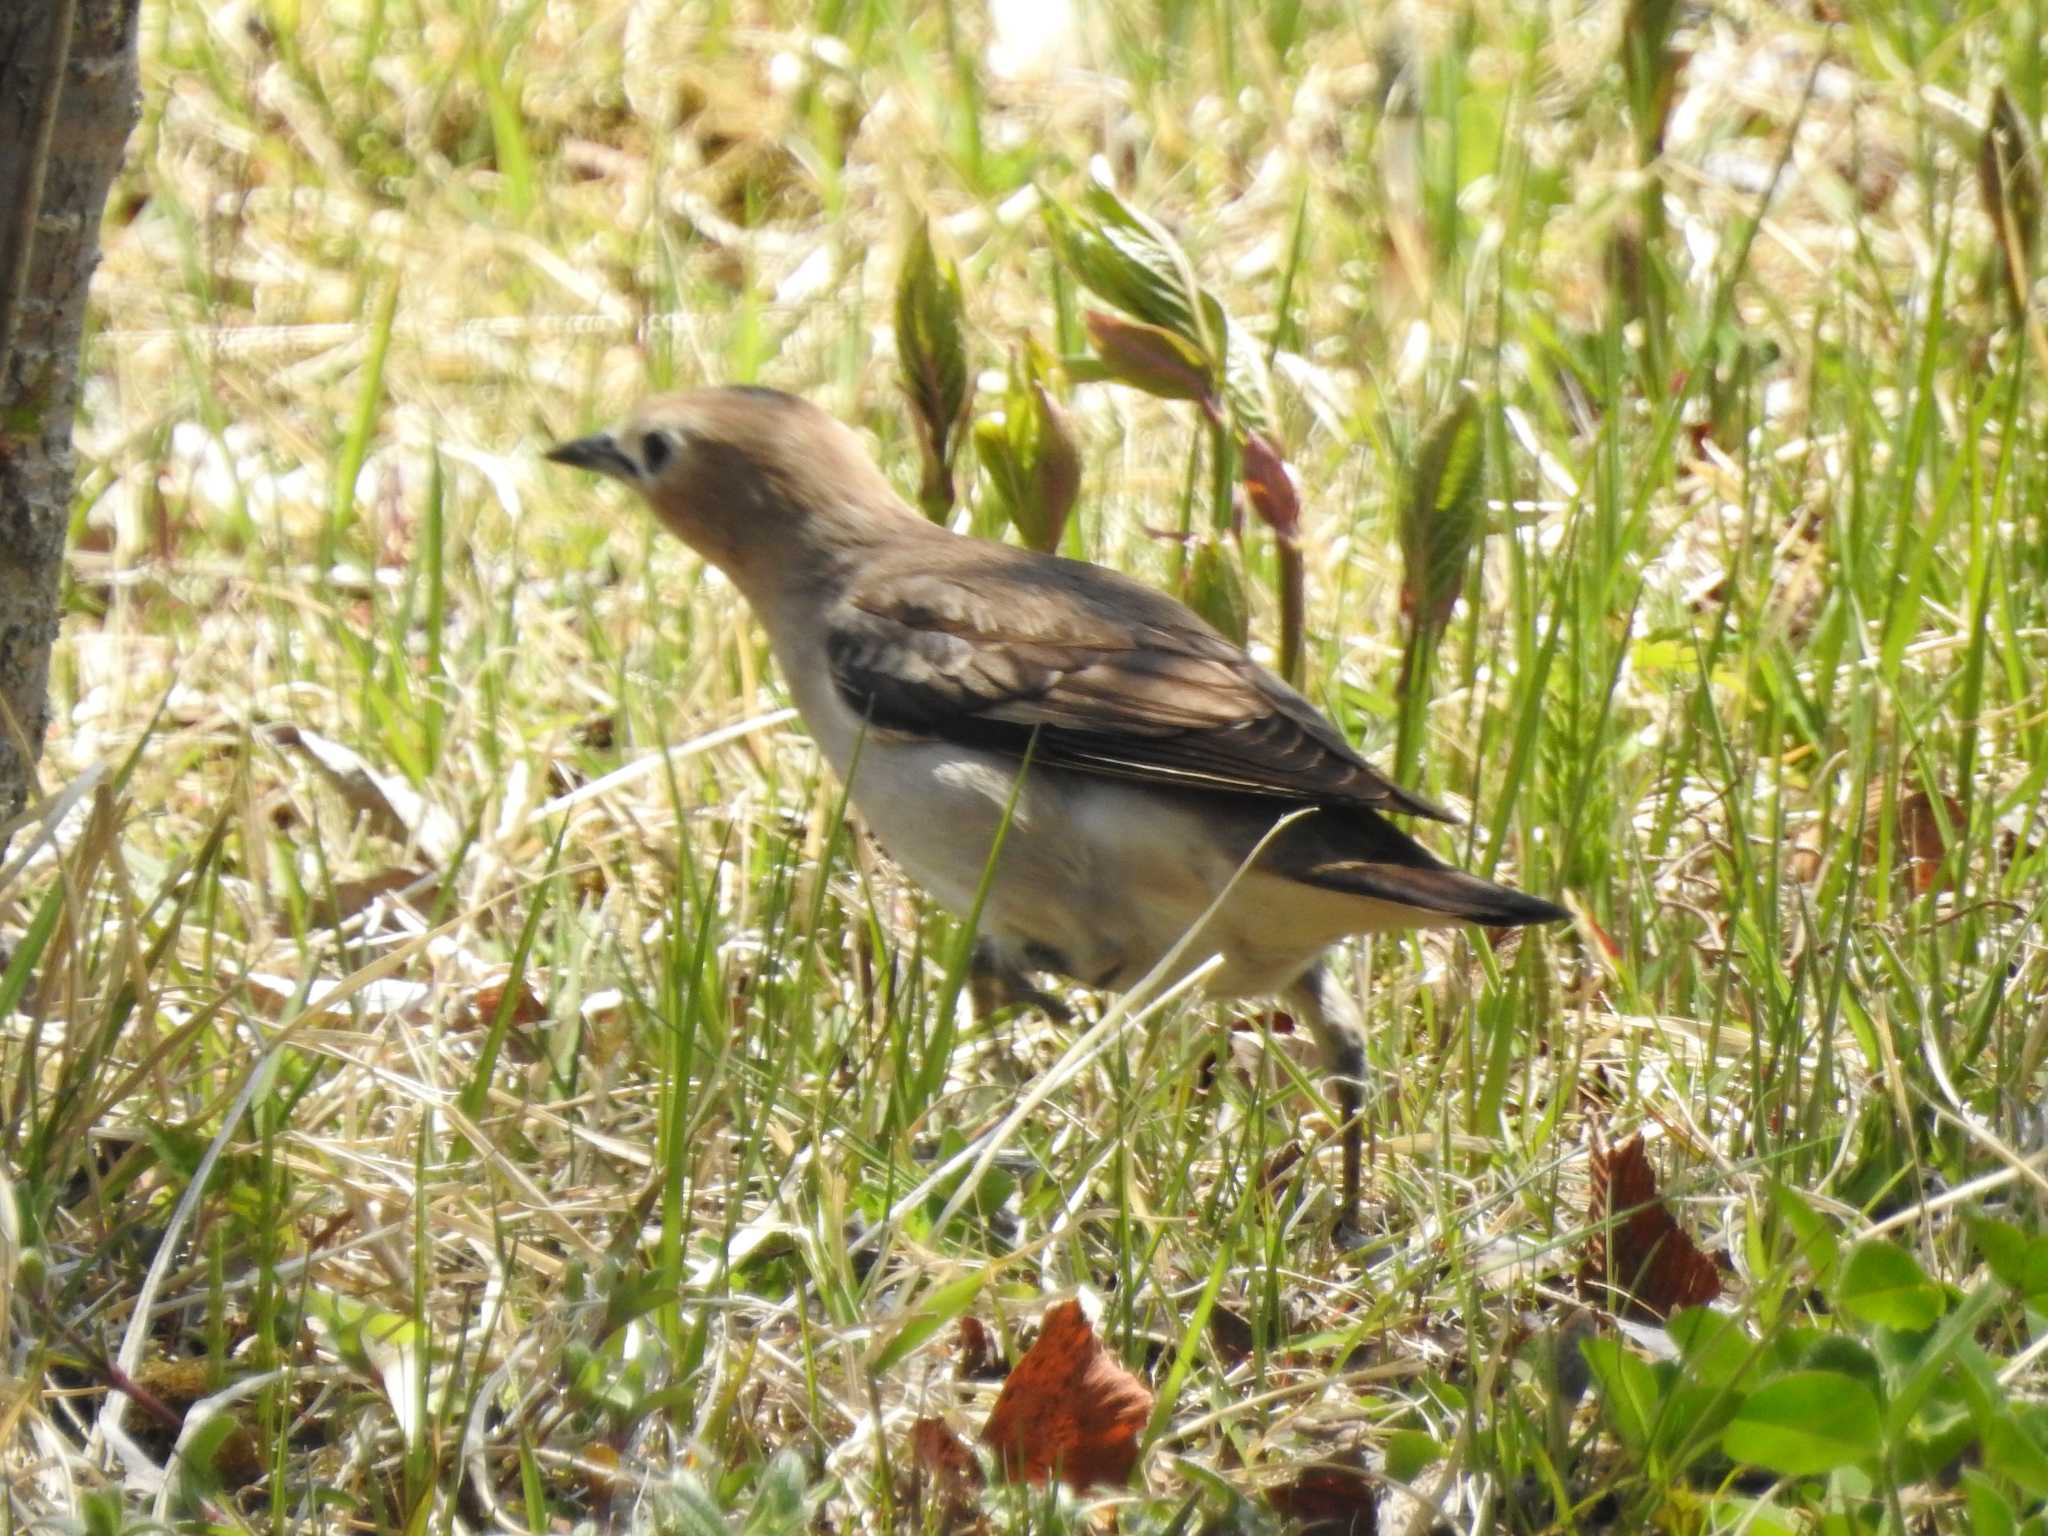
x=1362 y=853
x=1441 y=889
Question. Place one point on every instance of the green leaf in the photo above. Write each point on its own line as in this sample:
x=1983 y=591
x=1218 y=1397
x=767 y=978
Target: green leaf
x=1247 y=387
x=1440 y=515
x=1804 y=1424
x=1628 y=1390
x=1409 y=1451
x=1028 y=457
x=1924 y=1368
x=931 y=355
x=1717 y=1349
x=1839 y=1352
x=2014 y=1454
x=1883 y=1284
x=1212 y=585
x=2003 y=1245
x=939 y=1306
x=686 y=1508
x=2019 y=1261
x=370 y=1339
x=1753 y=1517
x=206 y=1446
x=1128 y=259
x=1991 y=1512
x=784 y=1497
x=1693 y=1417
x=1811 y=1233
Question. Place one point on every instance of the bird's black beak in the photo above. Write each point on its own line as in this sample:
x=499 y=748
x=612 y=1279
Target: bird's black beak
x=599 y=453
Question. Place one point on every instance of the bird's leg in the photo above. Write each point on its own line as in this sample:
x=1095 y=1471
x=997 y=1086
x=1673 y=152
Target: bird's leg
x=994 y=981
x=1341 y=1040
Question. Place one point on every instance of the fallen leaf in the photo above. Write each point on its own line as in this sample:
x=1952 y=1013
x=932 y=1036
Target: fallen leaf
x=391 y=997
x=598 y=732
x=1641 y=1262
x=1272 y=1021
x=1279 y=1165
x=947 y=1460
x=978 y=1358
x=353 y=896
x=392 y=807
x=1805 y=860
x=1328 y=1500
x=1069 y=1409
x=528 y=1006
x=1230 y=1335
x=1916 y=832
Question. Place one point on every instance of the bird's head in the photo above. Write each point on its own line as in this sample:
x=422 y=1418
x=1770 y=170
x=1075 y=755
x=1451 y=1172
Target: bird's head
x=762 y=484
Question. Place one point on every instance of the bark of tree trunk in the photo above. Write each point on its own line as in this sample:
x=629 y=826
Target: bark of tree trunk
x=67 y=103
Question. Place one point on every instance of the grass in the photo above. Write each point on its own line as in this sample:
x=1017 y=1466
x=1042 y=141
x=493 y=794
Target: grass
x=463 y=1059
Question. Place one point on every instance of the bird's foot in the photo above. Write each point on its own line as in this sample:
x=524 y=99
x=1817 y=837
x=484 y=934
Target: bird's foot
x=991 y=986
x=1347 y=1236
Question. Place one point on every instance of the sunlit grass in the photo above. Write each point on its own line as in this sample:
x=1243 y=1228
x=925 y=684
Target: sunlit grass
x=594 y=1060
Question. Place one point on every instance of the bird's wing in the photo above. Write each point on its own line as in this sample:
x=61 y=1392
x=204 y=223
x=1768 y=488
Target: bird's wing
x=1111 y=677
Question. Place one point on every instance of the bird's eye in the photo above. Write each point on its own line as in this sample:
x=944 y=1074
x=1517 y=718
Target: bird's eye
x=655 y=449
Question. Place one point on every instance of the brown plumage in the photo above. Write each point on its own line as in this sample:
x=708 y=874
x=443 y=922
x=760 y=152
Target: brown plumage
x=1161 y=753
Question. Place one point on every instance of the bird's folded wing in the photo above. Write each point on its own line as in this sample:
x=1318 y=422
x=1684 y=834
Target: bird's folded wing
x=1112 y=677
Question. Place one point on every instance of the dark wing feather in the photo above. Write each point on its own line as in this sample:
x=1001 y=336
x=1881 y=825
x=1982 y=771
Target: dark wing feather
x=1113 y=677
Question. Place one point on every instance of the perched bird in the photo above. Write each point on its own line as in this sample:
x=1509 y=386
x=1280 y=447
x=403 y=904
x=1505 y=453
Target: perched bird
x=929 y=665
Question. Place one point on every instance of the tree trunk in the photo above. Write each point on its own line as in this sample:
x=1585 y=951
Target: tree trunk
x=67 y=102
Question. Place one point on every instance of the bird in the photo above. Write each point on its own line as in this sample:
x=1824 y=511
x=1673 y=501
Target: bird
x=935 y=670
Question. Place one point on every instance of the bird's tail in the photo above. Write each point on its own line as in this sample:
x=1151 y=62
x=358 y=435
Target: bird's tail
x=1364 y=854
x=1441 y=890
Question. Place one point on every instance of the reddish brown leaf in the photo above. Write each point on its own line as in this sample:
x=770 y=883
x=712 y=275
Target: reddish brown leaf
x=1149 y=358
x=528 y=1006
x=598 y=732
x=1280 y=1165
x=947 y=1460
x=1328 y=1501
x=1643 y=1264
x=1916 y=832
x=1069 y=1409
x=1231 y=1335
x=1270 y=487
x=977 y=1350
x=353 y=896
x=387 y=804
